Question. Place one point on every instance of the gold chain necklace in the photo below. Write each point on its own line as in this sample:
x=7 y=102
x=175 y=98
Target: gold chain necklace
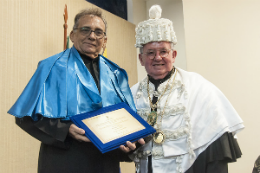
x=152 y=117
x=159 y=136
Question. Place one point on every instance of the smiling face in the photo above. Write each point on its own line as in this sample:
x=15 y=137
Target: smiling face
x=89 y=45
x=158 y=67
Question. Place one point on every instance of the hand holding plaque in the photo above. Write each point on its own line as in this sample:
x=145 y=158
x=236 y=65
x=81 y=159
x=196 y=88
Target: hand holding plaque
x=112 y=126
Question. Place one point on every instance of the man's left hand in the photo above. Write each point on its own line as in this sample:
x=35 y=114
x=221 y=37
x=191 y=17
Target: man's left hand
x=131 y=146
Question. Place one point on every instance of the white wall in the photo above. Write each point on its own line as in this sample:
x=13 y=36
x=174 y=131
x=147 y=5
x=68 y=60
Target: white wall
x=222 y=44
x=137 y=15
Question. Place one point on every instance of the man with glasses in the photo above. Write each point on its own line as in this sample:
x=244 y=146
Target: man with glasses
x=72 y=82
x=195 y=123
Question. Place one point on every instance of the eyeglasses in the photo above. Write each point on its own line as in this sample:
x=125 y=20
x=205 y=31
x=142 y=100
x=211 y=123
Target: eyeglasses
x=152 y=53
x=86 y=31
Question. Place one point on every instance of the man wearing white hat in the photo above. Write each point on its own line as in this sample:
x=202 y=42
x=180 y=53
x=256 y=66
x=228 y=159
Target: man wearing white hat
x=195 y=123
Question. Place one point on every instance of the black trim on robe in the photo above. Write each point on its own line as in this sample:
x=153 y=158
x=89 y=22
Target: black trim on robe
x=216 y=157
x=93 y=67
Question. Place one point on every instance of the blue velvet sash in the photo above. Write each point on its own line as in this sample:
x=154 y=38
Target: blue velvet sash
x=62 y=87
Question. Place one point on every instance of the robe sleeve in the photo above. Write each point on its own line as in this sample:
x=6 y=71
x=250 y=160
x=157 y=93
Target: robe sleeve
x=54 y=132
x=48 y=131
x=216 y=157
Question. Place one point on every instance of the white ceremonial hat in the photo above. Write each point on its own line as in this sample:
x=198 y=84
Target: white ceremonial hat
x=154 y=29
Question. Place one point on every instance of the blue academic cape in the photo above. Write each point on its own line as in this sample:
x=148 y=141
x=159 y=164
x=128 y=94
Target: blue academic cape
x=62 y=87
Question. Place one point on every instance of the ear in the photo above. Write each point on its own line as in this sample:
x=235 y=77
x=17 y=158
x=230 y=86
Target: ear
x=174 y=55
x=105 y=43
x=72 y=36
x=141 y=59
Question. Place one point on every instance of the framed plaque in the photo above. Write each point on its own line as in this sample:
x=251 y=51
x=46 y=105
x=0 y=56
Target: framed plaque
x=110 y=127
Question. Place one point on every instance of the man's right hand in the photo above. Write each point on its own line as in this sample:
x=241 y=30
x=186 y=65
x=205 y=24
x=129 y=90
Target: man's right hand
x=78 y=133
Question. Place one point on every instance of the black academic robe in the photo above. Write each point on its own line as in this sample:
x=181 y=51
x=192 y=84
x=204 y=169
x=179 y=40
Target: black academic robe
x=59 y=153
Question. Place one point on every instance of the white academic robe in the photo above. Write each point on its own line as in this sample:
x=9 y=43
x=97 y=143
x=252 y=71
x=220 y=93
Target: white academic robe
x=195 y=114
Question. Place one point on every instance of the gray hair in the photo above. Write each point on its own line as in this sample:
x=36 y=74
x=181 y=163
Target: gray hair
x=90 y=11
x=141 y=49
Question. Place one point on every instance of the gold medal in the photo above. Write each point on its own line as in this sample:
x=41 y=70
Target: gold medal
x=152 y=118
x=158 y=137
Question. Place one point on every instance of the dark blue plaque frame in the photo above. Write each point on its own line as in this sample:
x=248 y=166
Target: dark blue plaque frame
x=77 y=119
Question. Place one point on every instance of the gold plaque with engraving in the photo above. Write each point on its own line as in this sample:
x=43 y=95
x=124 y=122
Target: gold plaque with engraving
x=113 y=125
